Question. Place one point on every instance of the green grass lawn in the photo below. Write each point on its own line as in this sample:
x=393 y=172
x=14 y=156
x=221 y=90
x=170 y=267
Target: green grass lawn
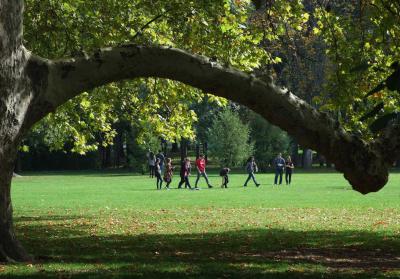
x=113 y=225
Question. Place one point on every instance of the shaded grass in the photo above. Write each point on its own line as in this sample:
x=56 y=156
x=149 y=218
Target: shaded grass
x=117 y=225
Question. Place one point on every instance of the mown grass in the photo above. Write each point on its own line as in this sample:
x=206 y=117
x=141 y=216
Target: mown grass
x=113 y=225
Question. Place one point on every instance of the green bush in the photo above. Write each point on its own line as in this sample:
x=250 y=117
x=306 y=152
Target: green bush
x=228 y=139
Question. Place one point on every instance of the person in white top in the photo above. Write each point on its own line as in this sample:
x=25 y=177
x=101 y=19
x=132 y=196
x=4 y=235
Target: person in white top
x=152 y=162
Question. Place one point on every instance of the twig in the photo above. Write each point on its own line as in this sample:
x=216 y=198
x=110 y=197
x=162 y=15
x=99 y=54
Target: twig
x=144 y=27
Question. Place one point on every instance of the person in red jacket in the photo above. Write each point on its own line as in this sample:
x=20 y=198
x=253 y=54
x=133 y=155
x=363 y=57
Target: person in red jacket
x=201 y=170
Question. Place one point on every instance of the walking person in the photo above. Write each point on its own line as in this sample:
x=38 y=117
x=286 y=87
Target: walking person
x=182 y=174
x=251 y=168
x=279 y=163
x=168 y=172
x=158 y=174
x=201 y=170
x=289 y=170
x=161 y=157
x=152 y=161
x=185 y=173
x=225 y=179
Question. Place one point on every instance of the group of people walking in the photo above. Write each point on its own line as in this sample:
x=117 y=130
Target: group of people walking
x=156 y=167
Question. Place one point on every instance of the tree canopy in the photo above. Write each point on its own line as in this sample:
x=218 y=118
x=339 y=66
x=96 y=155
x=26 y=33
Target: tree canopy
x=56 y=29
x=312 y=47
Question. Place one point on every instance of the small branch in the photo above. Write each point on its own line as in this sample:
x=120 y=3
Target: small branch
x=145 y=26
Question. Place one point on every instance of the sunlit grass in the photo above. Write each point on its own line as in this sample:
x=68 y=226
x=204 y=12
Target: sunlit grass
x=107 y=225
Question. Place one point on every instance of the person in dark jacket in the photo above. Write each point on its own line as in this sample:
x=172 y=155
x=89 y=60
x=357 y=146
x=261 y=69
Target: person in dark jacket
x=279 y=164
x=157 y=172
x=185 y=173
x=225 y=179
x=289 y=170
x=251 y=168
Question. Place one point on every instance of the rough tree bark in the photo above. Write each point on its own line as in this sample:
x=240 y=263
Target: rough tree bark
x=15 y=96
x=31 y=87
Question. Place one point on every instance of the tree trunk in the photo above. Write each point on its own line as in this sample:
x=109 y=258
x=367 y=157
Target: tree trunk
x=205 y=151
x=294 y=151
x=183 y=149
x=197 y=150
x=10 y=248
x=118 y=148
x=321 y=160
x=16 y=94
x=174 y=148
x=307 y=158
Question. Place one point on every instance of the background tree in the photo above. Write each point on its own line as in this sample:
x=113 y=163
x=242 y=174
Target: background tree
x=268 y=140
x=228 y=139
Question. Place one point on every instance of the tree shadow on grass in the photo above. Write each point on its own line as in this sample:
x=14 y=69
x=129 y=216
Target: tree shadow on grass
x=257 y=253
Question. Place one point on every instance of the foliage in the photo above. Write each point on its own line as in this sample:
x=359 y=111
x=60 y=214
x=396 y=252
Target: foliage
x=228 y=139
x=206 y=111
x=313 y=47
x=362 y=42
x=332 y=53
x=56 y=29
x=137 y=153
x=268 y=140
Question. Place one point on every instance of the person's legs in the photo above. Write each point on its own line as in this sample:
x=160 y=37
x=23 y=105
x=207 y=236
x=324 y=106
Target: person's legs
x=159 y=181
x=187 y=183
x=181 y=182
x=247 y=180
x=254 y=179
x=226 y=181
x=286 y=177
x=206 y=178
x=280 y=176
x=276 y=177
x=197 y=179
x=290 y=178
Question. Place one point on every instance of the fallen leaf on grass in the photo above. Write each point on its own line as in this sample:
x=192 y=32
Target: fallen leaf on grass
x=380 y=223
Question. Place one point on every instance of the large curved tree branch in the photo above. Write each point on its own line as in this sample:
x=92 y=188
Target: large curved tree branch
x=362 y=164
